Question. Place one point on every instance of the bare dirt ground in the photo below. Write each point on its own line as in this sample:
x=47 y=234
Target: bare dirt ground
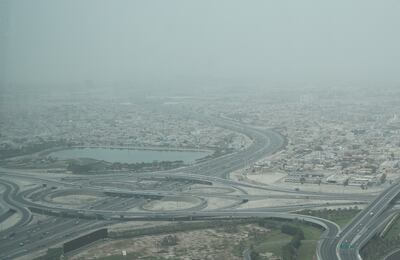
x=137 y=224
x=216 y=203
x=266 y=178
x=206 y=244
x=331 y=188
x=171 y=204
x=273 y=202
x=10 y=222
x=75 y=199
x=210 y=190
x=276 y=179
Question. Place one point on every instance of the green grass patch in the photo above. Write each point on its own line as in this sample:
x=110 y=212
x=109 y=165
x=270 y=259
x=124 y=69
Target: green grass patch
x=273 y=242
x=310 y=232
x=309 y=244
x=307 y=249
x=342 y=221
x=276 y=240
x=340 y=216
x=378 y=246
x=394 y=231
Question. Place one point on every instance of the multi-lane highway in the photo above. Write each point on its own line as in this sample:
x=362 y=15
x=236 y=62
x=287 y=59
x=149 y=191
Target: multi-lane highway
x=56 y=229
x=347 y=244
x=61 y=228
x=9 y=197
x=67 y=222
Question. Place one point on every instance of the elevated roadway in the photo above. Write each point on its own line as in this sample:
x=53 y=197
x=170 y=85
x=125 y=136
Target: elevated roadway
x=264 y=142
x=347 y=244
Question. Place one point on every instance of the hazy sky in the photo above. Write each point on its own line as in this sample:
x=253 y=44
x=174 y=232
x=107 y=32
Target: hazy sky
x=168 y=41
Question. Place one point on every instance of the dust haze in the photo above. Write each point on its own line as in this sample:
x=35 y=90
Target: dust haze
x=199 y=45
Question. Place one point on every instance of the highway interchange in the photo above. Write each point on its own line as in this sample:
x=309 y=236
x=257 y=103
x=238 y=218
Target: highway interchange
x=32 y=232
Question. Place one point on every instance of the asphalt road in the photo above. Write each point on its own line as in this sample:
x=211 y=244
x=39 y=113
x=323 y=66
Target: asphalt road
x=62 y=229
x=347 y=244
x=57 y=229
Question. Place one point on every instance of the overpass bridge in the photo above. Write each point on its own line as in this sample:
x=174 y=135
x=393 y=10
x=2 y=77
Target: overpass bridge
x=348 y=243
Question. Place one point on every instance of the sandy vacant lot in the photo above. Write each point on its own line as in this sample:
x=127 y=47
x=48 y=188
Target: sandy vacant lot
x=274 y=202
x=266 y=178
x=216 y=203
x=210 y=190
x=200 y=244
x=75 y=199
x=276 y=179
x=171 y=204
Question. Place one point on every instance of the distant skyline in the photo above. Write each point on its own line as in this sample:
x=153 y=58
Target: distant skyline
x=200 y=43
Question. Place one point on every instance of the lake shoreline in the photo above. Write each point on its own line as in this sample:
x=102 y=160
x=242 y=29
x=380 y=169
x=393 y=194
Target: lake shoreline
x=120 y=154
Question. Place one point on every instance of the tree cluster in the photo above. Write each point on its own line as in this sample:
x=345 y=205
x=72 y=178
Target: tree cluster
x=290 y=250
x=85 y=168
x=378 y=247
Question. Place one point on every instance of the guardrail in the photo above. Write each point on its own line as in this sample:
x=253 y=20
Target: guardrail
x=74 y=244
